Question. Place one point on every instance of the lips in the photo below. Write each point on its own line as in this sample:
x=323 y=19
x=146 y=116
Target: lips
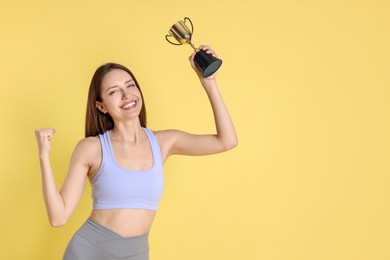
x=129 y=105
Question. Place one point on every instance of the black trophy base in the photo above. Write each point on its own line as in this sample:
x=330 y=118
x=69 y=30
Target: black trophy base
x=207 y=63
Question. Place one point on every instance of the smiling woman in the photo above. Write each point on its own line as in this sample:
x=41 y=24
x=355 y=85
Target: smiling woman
x=124 y=163
x=96 y=122
x=125 y=95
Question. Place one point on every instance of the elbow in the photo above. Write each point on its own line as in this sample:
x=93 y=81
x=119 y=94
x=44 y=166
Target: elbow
x=55 y=223
x=234 y=144
x=231 y=144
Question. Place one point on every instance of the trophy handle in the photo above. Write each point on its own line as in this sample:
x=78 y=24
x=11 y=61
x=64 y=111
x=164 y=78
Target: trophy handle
x=166 y=38
x=192 y=26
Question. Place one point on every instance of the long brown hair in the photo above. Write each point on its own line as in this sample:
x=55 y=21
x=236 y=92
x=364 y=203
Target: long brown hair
x=97 y=122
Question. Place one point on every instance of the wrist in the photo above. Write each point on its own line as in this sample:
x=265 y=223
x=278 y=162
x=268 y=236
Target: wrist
x=208 y=82
x=44 y=155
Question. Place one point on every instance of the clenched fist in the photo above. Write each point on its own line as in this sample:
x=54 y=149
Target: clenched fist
x=44 y=136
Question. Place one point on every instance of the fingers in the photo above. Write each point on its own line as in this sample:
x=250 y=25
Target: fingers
x=44 y=136
x=208 y=50
x=191 y=59
x=45 y=133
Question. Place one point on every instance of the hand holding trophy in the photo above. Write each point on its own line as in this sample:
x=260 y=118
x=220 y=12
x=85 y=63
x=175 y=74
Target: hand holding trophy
x=207 y=63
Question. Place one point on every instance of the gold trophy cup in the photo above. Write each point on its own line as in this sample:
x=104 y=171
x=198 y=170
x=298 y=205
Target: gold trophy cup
x=207 y=63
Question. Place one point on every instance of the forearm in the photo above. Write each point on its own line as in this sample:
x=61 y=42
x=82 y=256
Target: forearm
x=53 y=200
x=226 y=133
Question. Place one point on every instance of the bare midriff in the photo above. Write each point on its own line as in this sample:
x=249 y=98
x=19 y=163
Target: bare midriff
x=125 y=222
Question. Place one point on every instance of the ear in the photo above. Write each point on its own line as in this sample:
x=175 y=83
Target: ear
x=100 y=107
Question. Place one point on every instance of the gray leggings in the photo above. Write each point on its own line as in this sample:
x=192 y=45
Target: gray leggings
x=95 y=242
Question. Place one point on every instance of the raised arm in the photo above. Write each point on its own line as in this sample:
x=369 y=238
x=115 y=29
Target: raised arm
x=179 y=142
x=60 y=205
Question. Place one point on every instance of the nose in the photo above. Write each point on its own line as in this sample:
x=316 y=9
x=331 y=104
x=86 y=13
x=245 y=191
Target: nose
x=125 y=95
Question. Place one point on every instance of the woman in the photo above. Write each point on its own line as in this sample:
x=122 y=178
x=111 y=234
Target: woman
x=124 y=163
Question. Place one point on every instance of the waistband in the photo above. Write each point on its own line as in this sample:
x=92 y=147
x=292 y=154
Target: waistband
x=110 y=241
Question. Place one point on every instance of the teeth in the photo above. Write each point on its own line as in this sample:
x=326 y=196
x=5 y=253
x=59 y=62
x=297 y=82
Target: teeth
x=130 y=105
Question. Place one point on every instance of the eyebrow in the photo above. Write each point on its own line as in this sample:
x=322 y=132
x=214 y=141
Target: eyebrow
x=126 y=82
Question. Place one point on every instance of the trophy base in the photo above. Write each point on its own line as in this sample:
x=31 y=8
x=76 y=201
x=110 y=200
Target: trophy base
x=207 y=63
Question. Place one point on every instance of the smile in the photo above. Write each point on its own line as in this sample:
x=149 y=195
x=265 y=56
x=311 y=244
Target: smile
x=129 y=105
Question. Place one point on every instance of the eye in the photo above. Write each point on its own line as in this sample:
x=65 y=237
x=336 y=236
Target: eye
x=131 y=85
x=112 y=92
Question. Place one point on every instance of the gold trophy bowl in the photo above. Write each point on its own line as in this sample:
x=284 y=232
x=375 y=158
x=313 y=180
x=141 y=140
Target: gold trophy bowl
x=207 y=63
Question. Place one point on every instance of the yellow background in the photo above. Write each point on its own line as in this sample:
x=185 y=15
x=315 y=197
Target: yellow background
x=306 y=82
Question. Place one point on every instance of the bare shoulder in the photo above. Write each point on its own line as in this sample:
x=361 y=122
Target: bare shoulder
x=88 y=144
x=163 y=133
x=88 y=153
x=166 y=139
x=168 y=135
x=88 y=150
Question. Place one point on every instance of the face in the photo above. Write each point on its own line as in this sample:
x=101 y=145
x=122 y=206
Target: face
x=121 y=97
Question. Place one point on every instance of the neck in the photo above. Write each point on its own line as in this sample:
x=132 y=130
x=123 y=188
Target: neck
x=126 y=131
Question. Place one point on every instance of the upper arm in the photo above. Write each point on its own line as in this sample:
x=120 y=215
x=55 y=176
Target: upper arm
x=79 y=166
x=178 y=142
